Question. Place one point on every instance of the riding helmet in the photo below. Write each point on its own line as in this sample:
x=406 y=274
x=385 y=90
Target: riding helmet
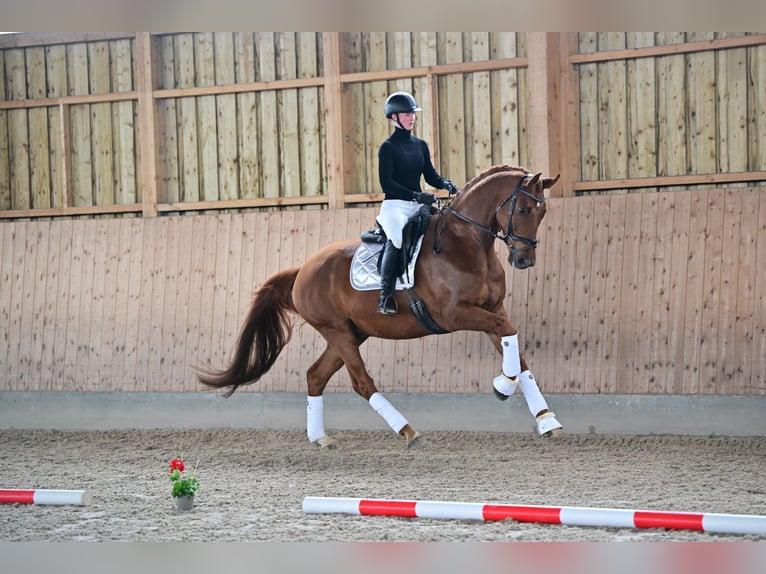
x=401 y=103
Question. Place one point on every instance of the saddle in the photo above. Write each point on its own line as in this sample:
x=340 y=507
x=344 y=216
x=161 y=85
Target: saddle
x=365 y=265
x=413 y=232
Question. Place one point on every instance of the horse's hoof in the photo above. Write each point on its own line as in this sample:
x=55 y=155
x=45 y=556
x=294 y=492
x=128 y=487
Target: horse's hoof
x=416 y=440
x=548 y=426
x=326 y=442
x=500 y=395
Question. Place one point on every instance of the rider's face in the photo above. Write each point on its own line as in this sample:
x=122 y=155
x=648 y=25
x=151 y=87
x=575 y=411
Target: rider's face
x=407 y=120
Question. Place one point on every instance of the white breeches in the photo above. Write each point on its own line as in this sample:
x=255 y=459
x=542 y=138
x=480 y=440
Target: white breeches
x=393 y=216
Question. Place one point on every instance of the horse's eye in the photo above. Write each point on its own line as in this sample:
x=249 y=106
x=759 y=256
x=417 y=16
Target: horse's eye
x=523 y=211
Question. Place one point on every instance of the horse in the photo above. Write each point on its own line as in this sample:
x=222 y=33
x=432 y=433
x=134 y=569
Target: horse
x=460 y=283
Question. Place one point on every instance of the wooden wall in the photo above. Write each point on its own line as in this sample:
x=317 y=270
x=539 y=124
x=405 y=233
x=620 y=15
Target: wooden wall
x=633 y=293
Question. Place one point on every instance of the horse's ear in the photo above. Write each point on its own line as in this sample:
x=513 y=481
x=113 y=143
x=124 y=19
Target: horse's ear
x=533 y=180
x=548 y=182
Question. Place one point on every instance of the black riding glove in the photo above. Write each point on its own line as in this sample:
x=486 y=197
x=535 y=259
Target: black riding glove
x=424 y=198
x=449 y=186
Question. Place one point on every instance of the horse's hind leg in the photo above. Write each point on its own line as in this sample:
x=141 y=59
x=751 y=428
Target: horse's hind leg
x=347 y=346
x=317 y=377
x=547 y=425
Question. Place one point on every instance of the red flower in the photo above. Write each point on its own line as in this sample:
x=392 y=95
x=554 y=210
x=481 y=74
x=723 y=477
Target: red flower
x=177 y=464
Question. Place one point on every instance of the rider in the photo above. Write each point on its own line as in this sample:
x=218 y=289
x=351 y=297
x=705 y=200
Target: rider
x=403 y=159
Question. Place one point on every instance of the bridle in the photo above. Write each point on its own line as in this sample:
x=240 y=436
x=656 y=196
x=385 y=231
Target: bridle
x=510 y=236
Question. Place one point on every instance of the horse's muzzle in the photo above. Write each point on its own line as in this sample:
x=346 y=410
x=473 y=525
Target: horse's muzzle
x=521 y=261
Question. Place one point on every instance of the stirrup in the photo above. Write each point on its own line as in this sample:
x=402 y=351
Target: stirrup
x=547 y=423
x=389 y=307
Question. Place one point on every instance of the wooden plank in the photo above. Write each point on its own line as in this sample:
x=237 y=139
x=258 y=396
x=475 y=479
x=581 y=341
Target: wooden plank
x=711 y=297
x=742 y=366
x=100 y=342
x=678 y=287
x=234 y=308
x=48 y=304
x=289 y=116
x=146 y=296
x=642 y=110
x=505 y=150
x=186 y=109
x=79 y=120
x=731 y=86
x=30 y=346
x=695 y=287
x=197 y=307
x=728 y=366
x=758 y=379
x=612 y=99
x=125 y=192
x=101 y=124
x=168 y=306
x=135 y=247
x=274 y=263
x=56 y=79
x=226 y=108
x=630 y=279
x=12 y=304
x=671 y=109
x=268 y=114
x=566 y=346
x=167 y=121
x=62 y=326
x=661 y=360
x=18 y=131
x=642 y=380
x=179 y=374
x=295 y=376
x=757 y=114
x=311 y=179
x=204 y=62
x=163 y=287
x=378 y=128
x=78 y=319
x=548 y=326
x=589 y=112
x=581 y=292
x=453 y=129
x=247 y=117
x=39 y=147
x=481 y=126
x=5 y=172
x=610 y=382
x=702 y=107
x=120 y=317
x=597 y=303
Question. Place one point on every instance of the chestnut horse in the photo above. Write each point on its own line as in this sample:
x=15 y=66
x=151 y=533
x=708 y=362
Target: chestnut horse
x=461 y=282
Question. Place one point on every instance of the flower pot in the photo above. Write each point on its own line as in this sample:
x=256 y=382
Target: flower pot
x=184 y=502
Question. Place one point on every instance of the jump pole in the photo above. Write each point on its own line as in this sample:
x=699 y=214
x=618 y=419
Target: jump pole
x=51 y=497
x=566 y=515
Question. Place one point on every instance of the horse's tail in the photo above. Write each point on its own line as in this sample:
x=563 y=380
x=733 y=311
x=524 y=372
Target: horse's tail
x=265 y=333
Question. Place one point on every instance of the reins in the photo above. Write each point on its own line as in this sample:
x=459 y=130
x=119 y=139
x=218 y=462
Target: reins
x=529 y=243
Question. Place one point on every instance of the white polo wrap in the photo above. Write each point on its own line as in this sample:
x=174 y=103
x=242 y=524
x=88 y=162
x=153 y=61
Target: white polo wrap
x=380 y=405
x=511 y=361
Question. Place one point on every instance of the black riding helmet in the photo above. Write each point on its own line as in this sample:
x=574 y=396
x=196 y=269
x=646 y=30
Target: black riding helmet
x=401 y=103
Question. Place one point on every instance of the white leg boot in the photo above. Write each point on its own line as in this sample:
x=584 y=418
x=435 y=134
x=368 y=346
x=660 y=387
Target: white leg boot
x=547 y=425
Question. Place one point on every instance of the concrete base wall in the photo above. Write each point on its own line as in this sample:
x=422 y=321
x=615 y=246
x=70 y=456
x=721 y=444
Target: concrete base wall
x=580 y=414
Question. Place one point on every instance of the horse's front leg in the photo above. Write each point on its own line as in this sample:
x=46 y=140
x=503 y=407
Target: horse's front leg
x=504 y=387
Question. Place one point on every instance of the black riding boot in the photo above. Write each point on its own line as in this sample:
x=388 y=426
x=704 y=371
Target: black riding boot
x=389 y=265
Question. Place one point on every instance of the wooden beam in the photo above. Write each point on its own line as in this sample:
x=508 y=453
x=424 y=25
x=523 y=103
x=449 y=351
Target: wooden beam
x=334 y=117
x=669 y=49
x=569 y=114
x=66 y=156
x=147 y=132
x=675 y=180
x=545 y=121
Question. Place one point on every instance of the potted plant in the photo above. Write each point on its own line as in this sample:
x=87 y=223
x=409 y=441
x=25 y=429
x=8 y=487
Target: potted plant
x=184 y=487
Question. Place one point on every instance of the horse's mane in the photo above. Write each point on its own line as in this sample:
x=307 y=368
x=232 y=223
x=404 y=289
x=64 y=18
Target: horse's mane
x=491 y=171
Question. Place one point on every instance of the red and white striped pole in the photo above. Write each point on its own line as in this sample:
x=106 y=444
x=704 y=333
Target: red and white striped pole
x=567 y=515
x=37 y=496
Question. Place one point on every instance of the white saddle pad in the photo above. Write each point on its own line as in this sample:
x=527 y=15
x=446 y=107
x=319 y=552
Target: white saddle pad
x=364 y=270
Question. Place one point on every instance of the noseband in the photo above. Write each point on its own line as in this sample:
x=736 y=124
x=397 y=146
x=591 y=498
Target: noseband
x=509 y=236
